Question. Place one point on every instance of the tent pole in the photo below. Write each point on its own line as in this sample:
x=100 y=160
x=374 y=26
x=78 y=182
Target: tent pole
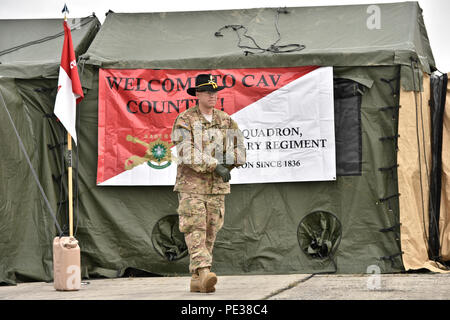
x=69 y=147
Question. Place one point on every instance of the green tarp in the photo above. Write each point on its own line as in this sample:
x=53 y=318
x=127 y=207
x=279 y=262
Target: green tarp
x=265 y=224
x=332 y=35
x=32 y=48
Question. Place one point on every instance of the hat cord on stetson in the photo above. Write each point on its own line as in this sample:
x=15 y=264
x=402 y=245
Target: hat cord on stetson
x=210 y=82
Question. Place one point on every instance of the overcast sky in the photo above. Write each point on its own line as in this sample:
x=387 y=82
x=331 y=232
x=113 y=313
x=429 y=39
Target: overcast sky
x=436 y=12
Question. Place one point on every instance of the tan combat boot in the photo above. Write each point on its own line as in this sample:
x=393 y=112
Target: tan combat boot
x=207 y=280
x=195 y=283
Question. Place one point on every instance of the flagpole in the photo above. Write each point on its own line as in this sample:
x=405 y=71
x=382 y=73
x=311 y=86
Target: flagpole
x=69 y=148
x=69 y=170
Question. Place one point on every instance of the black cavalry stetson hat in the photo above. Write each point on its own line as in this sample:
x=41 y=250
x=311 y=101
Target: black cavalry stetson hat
x=204 y=82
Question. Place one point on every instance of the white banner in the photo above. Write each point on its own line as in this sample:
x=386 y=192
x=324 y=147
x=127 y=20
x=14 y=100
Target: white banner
x=289 y=132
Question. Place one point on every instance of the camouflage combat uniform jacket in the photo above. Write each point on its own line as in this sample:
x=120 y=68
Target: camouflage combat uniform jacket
x=198 y=150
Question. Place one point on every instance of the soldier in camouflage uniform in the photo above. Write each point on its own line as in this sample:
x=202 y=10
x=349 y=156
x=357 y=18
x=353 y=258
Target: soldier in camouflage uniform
x=209 y=145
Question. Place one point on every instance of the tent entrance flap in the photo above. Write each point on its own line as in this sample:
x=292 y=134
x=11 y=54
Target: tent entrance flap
x=414 y=159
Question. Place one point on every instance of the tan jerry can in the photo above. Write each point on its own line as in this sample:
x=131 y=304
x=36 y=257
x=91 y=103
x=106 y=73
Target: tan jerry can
x=66 y=264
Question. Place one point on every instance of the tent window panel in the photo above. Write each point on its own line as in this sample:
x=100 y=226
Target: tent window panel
x=347 y=118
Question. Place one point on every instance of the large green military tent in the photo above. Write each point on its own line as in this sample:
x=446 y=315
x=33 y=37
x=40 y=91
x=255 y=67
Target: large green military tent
x=372 y=215
x=30 y=54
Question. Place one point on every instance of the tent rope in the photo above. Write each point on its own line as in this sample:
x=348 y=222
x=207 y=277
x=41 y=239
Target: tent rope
x=381 y=200
x=391 y=169
x=274 y=47
x=388 y=81
x=388 y=168
x=394 y=137
x=389 y=229
x=391 y=108
x=22 y=147
x=388 y=199
x=391 y=257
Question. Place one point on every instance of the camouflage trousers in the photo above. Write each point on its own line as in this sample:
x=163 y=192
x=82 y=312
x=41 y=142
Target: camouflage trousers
x=201 y=217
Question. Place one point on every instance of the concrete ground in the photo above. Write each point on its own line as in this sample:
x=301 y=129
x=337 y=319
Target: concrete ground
x=428 y=286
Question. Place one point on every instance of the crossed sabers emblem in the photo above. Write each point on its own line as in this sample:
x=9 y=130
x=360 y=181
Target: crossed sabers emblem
x=158 y=152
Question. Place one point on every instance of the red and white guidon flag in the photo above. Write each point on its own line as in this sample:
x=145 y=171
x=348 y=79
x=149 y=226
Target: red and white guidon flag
x=69 y=86
x=285 y=114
